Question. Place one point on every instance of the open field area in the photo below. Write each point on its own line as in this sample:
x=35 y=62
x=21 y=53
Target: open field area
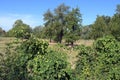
x=4 y=41
x=70 y=52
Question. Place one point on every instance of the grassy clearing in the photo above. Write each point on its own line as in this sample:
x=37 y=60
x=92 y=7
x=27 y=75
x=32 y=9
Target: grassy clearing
x=71 y=54
x=4 y=41
x=85 y=42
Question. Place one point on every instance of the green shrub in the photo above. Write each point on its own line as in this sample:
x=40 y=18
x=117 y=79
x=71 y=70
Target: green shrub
x=108 y=50
x=32 y=60
x=85 y=63
x=48 y=67
x=100 y=62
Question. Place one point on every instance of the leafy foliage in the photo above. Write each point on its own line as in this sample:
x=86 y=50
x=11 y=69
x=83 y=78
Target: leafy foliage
x=8 y=63
x=100 y=62
x=115 y=26
x=38 y=31
x=48 y=67
x=32 y=60
x=109 y=51
x=63 y=23
x=118 y=9
x=85 y=32
x=73 y=26
x=85 y=63
x=49 y=24
x=20 y=30
x=100 y=27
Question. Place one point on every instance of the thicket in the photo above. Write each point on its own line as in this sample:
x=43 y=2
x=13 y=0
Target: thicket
x=33 y=60
x=100 y=62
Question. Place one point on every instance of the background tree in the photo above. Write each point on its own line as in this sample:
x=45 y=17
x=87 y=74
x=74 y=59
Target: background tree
x=99 y=28
x=38 y=31
x=49 y=21
x=20 y=30
x=63 y=23
x=60 y=13
x=73 y=23
x=107 y=20
x=118 y=9
x=85 y=32
x=115 y=24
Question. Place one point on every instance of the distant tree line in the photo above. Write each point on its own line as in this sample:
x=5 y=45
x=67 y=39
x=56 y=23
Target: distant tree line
x=103 y=25
x=65 y=23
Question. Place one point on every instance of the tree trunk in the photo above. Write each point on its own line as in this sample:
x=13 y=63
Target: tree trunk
x=72 y=44
x=60 y=36
x=50 y=40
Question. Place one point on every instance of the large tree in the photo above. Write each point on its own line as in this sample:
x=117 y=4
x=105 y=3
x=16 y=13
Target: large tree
x=73 y=20
x=56 y=23
x=63 y=23
x=49 y=20
x=60 y=14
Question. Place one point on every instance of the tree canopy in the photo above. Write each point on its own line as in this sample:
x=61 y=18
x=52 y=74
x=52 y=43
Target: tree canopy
x=63 y=23
x=20 y=30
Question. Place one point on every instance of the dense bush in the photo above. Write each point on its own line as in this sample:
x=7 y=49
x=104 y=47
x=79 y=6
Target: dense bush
x=85 y=63
x=32 y=60
x=100 y=62
x=48 y=67
x=108 y=50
